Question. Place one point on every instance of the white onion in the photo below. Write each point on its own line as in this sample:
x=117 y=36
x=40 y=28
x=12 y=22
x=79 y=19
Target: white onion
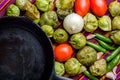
x=73 y=23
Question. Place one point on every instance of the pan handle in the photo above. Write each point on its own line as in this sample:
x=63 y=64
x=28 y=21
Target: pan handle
x=57 y=77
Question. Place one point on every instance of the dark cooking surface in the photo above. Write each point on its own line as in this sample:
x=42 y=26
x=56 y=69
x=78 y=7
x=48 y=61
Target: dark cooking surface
x=20 y=52
x=25 y=50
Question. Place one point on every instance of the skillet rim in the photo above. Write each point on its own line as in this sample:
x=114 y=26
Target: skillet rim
x=39 y=30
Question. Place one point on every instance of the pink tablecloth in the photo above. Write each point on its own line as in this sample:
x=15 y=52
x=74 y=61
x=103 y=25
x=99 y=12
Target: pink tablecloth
x=5 y=3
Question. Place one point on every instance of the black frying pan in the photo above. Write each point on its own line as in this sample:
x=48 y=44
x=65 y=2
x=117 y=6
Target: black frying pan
x=25 y=51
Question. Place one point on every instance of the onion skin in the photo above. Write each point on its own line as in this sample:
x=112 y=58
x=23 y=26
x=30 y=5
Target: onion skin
x=90 y=36
x=99 y=55
x=73 y=23
x=111 y=75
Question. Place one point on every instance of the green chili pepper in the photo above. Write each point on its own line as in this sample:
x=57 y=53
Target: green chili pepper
x=103 y=38
x=89 y=75
x=97 y=47
x=113 y=54
x=105 y=45
x=113 y=63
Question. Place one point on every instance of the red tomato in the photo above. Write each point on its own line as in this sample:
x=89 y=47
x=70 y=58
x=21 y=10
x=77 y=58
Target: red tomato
x=98 y=7
x=63 y=52
x=82 y=7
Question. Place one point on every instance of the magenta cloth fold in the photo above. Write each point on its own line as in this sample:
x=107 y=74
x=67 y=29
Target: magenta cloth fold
x=5 y=4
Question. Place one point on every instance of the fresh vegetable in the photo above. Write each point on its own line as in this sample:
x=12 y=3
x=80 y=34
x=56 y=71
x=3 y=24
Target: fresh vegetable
x=91 y=22
x=116 y=23
x=87 y=56
x=99 y=55
x=78 y=40
x=49 y=18
x=98 y=7
x=113 y=63
x=63 y=52
x=64 y=8
x=82 y=7
x=73 y=23
x=36 y=21
x=105 y=23
x=103 y=38
x=82 y=69
x=21 y=3
x=89 y=75
x=90 y=36
x=13 y=10
x=115 y=36
x=95 y=46
x=59 y=68
x=63 y=13
x=114 y=70
x=31 y=11
x=98 y=68
x=111 y=75
x=114 y=8
x=65 y=4
x=105 y=45
x=113 y=54
x=44 y=5
x=72 y=66
x=48 y=30
x=60 y=35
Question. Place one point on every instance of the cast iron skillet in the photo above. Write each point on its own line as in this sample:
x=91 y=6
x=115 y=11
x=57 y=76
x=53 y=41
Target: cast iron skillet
x=25 y=51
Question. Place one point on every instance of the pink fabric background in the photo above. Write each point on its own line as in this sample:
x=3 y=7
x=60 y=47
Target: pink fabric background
x=3 y=11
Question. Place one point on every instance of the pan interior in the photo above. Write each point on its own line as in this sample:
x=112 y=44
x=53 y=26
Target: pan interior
x=21 y=55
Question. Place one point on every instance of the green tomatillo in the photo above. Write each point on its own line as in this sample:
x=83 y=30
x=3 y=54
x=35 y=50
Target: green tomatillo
x=59 y=68
x=13 y=10
x=90 y=22
x=72 y=66
x=60 y=35
x=78 y=40
x=48 y=30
